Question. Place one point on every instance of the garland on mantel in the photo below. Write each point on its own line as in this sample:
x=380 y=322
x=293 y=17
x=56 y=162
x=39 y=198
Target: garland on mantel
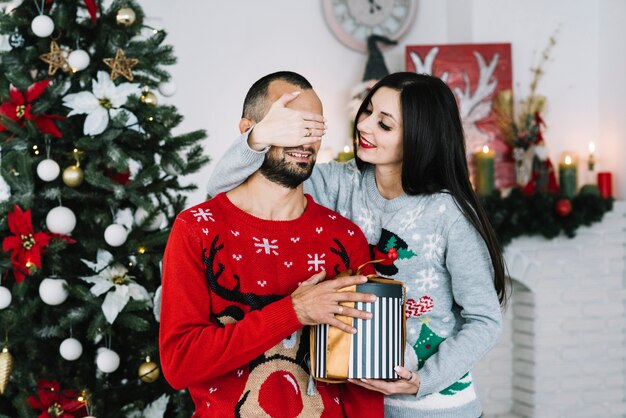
x=547 y=214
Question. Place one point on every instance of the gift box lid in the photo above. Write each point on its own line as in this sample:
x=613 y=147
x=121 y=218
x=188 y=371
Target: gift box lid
x=385 y=290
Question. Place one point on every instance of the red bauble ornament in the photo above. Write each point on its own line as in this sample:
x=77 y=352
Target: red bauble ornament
x=563 y=207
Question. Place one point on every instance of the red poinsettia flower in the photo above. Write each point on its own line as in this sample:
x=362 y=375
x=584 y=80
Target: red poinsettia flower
x=57 y=403
x=19 y=109
x=25 y=244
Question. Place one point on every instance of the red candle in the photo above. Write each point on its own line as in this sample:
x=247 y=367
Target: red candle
x=605 y=184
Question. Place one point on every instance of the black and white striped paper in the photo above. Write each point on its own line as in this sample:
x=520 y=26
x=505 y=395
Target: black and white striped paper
x=378 y=345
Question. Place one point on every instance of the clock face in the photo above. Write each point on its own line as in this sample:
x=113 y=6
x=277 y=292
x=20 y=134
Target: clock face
x=353 y=21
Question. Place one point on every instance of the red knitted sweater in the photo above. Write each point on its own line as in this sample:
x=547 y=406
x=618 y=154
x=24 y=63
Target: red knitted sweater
x=228 y=330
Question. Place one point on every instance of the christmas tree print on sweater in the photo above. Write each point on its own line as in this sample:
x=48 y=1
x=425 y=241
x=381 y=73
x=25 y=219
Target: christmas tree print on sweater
x=428 y=344
x=390 y=247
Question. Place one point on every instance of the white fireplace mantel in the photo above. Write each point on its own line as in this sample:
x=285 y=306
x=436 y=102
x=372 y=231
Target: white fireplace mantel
x=563 y=348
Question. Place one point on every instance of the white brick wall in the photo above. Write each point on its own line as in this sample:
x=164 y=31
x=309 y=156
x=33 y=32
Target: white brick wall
x=563 y=349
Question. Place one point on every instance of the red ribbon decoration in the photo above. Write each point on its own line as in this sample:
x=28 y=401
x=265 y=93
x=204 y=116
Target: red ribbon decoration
x=91 y=8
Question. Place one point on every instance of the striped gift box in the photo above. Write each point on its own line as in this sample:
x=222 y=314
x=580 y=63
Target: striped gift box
x=376 y=348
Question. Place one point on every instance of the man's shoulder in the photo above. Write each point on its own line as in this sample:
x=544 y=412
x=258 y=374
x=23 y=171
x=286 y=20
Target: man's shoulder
x=331 y=215
x=202 y=212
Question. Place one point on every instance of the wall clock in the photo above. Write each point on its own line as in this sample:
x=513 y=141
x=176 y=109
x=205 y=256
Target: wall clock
x=353 y=21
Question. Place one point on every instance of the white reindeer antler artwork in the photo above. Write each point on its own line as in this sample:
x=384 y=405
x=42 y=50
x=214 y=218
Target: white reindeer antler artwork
x=426 y=67
x=475 y=106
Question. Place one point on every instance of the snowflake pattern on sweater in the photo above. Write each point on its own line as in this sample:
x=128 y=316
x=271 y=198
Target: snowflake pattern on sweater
x=228 y=330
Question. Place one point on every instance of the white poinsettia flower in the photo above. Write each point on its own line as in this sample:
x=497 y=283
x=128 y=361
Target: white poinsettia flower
x=116 y=283
x=104 y=102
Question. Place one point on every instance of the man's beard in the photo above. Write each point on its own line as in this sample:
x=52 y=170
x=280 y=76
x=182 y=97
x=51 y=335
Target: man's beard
x=278 y=170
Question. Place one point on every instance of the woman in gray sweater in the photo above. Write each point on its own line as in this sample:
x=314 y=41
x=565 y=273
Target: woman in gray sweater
x=408 y=189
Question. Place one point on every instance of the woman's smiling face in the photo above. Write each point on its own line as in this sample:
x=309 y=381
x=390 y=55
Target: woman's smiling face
x=380 y=129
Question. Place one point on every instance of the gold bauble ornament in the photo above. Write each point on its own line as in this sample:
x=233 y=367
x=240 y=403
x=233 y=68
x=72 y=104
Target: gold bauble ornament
x=125 y=16
x=148 y=98
x=73 y=176
x=6 y=367
x=149 y=371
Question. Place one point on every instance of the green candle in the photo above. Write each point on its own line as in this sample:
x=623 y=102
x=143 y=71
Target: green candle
x=485 y=169
x=568 y=178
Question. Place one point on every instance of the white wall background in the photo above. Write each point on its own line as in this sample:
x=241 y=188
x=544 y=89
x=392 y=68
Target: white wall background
x=224 y=46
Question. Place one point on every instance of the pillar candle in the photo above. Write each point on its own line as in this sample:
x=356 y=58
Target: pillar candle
x=485 y=169
x=605 y=184
x=568 y=177
x=345 y=155
x=591 y=162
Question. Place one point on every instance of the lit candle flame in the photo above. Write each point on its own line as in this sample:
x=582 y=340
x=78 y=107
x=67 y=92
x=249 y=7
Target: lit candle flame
x=592 y=148
x=346 y=149
x=486 y=149
x=568 y=160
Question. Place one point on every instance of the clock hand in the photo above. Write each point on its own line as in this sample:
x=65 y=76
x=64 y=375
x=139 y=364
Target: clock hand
x=373 y=5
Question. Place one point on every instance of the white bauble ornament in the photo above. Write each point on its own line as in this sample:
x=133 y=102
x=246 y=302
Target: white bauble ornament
x=53 y=291
x=48 y=170
x=5 y=297
x=78 y=60
x=42 y=26
x=61 y=220
x=115 y=235
x=141 y=215
x=71 y=349
x=107 y=360
x=5 y=189
x=167 y=88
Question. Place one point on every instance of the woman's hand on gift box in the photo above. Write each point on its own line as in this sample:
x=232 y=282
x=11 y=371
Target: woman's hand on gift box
x=409 y=382
x=318 y=302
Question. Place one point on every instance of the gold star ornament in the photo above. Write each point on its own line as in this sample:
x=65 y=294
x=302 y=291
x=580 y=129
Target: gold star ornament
x=120 y=65
x=56 y=59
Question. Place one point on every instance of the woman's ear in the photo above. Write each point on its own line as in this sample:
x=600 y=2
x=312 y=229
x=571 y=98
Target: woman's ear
x=245 y=124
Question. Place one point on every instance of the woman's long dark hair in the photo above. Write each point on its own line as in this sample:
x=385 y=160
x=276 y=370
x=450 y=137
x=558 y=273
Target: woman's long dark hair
x=434 y=156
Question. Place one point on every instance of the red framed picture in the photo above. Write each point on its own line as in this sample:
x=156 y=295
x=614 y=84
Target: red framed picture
x=475 y=73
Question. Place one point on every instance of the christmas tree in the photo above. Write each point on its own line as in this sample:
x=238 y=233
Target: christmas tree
x=89 y=187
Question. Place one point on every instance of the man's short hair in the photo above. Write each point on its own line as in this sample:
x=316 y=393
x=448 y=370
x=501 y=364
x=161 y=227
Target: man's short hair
x=255 y=106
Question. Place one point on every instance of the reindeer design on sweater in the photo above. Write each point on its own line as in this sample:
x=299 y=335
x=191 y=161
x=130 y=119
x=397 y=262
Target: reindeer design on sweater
x=283 y=368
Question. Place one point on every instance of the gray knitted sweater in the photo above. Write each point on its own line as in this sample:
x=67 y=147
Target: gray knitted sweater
x=453 y=314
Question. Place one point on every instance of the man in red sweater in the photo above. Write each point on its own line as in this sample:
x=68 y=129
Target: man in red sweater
x=236 y=287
